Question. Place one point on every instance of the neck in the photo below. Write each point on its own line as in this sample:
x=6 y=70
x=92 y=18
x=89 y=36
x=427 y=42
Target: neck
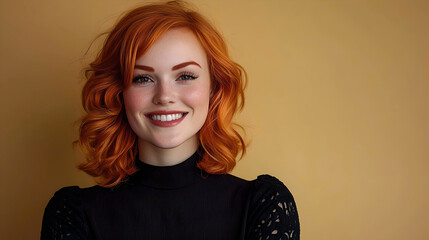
x=153 y=155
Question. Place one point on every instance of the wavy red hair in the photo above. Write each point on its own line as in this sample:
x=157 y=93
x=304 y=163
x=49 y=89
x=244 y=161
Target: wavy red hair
x=105 y=136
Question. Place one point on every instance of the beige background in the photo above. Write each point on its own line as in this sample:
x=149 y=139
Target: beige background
x=337 y=107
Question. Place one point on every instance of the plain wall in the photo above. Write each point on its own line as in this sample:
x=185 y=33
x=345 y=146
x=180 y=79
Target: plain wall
x=337 y=107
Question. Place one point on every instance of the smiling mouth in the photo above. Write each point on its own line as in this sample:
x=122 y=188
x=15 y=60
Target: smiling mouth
x=166 y=117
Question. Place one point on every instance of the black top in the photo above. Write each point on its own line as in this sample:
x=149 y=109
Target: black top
x=174 y=202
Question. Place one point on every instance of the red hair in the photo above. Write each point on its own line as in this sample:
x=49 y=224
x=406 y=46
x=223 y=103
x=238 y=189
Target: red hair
x=106 y=137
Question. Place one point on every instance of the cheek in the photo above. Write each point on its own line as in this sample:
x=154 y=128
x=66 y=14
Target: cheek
x=197 y=98
x=133 y=100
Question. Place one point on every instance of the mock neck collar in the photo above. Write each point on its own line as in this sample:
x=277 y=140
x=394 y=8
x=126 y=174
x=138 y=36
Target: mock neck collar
x=169 y=177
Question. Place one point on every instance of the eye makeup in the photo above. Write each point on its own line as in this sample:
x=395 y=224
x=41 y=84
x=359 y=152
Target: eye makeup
x=186 y=76
x=142 y=78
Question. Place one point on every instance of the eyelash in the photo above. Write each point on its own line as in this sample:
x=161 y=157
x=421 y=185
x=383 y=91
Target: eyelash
x=138 y=78
x=190 y=76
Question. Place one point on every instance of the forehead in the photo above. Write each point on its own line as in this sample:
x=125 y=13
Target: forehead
x=173 y=47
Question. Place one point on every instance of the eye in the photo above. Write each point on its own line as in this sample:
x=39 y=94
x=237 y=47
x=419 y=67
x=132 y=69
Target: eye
x=186 y=76
x=142 y=79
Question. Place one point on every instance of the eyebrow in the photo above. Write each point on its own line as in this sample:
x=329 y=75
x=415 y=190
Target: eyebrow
x=182 y=65
x=178 y=66
x=146 y=68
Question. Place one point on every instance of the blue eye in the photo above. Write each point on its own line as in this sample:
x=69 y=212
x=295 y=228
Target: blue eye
x=142 y=79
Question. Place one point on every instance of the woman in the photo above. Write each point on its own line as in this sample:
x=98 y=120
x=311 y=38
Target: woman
x=158 y=135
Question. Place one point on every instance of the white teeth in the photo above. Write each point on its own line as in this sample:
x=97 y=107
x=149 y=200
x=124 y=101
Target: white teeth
x=167 y=118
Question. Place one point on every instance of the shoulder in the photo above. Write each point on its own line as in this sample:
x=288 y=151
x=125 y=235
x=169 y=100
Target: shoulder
x=65 y=198
x=228 y=184
x=271 y=187
x=232 y=179
x=67 y=193
x=64 y=215
x=272 y=210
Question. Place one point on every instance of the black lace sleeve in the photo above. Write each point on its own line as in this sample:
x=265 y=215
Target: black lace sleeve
x=272 y=212
x=63 y=217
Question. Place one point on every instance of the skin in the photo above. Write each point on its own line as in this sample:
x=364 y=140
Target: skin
x=164 y=80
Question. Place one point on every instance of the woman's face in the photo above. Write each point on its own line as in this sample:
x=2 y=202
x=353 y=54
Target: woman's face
x=168 y=101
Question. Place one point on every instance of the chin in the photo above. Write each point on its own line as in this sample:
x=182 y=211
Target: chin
x=168 y=144
x=165 y=145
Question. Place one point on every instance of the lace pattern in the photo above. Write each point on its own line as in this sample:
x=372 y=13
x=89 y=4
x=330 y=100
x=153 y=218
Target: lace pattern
x=63 y=216
x=273 y=211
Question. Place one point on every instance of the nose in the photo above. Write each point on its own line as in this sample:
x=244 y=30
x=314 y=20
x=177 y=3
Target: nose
x=164 y=94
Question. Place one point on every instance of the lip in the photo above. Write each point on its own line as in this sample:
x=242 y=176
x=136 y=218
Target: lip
x=166 y=123
x=164 y=112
